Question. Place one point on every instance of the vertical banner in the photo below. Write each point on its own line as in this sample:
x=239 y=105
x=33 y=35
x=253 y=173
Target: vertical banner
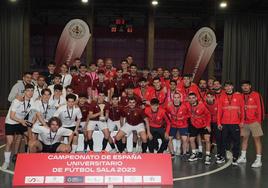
x=73 y=41
x=200 y=52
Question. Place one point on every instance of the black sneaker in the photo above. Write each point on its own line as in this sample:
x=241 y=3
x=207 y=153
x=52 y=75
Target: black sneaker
x=14 y=158
x=220 y=160
x=200 y=155
x=188 y=153
x=193 y=157
x=207 y=160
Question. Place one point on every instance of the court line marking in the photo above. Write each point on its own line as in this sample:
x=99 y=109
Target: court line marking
x=174 y=179
x=229 y=162
x=6 y=171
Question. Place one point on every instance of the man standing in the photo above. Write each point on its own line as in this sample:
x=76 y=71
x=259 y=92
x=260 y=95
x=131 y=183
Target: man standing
x=38 y=87
x=230 y=118
x=254 y=115
x=50 y=74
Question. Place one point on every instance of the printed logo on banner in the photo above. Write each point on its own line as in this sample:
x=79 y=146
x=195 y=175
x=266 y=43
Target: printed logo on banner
x=133 y=179
x=54 y=179
x=205 y=38
x=77 y=30
x=94 y=179
x=74 y=179
x=113 y=179
x=152 y=179
x=34 y=179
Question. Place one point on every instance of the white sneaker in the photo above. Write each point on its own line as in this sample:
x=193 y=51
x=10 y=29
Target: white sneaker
x=5 y=166
x=256 y=164
x=242 y=159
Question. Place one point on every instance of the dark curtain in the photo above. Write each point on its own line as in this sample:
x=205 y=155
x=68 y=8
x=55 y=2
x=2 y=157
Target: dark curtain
x=11 y=48
x=245 y=54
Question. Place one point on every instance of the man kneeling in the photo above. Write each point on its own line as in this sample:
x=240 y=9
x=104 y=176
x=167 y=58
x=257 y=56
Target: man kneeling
x=47 y=139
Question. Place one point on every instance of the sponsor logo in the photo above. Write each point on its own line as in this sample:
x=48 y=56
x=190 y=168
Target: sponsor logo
x=77 y=30
x=133 y=179
x=205 y=38
x=94 y=179
x=34 y=179
x=74 y=179
x=152 y=179
x=54 y=179
x=113 y=179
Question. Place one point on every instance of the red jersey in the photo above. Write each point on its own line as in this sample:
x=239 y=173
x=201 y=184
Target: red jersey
x=193 y=88
x=231 y=109
x=218 y=94
x=161 y=95
x=134 y=79
x=213 y=109
x=115 y=112
x=199 y=115
x=165 y=82
x=203 y=95
x=110 y=74
x=158 y=119
x=95 y=108
x=134 y=116
x=101 y=86
x=84 y=110
x=80 y=84
x=254 y=108
x=178 y=115
x=143 y=94
x=119 y=86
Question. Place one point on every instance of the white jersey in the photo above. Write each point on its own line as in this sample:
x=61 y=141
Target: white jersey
x=55 y=103
x=37 y=93
x=66 y=80
x=46 y=109
x=22 y=109
x=68 y=116
x=48 y=137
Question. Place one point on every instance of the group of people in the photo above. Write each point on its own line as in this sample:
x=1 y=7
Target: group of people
x=163 y=110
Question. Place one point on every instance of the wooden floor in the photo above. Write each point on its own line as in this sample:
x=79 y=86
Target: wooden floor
x=198 y=175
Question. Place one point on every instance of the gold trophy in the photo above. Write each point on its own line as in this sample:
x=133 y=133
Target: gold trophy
x=102 y=117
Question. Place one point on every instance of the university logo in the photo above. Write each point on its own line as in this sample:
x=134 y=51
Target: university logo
x=205 y=38
x=77 y=30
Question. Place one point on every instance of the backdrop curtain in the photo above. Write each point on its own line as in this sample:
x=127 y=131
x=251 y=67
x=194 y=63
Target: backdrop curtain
x=11 y=48
x=245 y=54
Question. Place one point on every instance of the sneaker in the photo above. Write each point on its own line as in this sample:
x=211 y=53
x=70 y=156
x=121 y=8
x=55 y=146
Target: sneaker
x=193 y=157
x=207 y=160
x=220 y=160
x=5 y=166
x=256 y=164
x=184 y=157
x=234 y=163
x=178 y=152
x=135 y=150
x=217 y=156
x=172 y=155
x=241 y=160
x=188 y=153
x=200 y=155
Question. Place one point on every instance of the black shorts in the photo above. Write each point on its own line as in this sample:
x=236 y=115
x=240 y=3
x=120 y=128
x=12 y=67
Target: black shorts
x=196 y=131
x=12 y=129
x=50 y=148
x=71 y=128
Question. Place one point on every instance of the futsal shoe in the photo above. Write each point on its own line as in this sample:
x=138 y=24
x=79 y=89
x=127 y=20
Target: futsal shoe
x=257 y=164
x=220 y=160
x=241 y=160
x=193 y=157
x=234 y=163
x=200 y=155
x=207 y=160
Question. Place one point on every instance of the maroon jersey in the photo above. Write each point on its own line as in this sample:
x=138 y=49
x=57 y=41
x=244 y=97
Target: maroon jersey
x=119 y=86
x=134 y=79
x=115 y=112
x=80 y=84
x=124 y=100
x=84 y=109
x=101 y=86
x=134 y=116
x=95 y=108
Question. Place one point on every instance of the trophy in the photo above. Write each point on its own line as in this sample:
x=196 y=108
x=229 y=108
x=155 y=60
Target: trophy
x=102 y=117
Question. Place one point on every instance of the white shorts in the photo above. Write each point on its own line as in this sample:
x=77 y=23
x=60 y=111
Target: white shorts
x=92 y=124
x=127 y=128
x=113 y=124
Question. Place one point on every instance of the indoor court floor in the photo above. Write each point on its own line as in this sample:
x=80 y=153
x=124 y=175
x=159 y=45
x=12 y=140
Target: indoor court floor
x=196 y=174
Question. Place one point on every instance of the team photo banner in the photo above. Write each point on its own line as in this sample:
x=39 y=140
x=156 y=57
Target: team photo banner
x=93 y=169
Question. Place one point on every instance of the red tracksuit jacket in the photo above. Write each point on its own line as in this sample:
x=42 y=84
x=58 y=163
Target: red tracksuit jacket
x=231 y=109
x=200 y=116
x=178 y=115
x=254 y=108
x=213 y=109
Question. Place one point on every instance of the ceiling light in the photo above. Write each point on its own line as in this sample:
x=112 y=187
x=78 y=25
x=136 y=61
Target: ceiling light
x=84 y=1
x=223 y=4
x=154 y=2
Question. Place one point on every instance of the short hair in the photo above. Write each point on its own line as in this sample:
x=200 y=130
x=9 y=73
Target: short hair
x=46 y=90
x=245 y=82
x=58 y=87
x=73 y=68
x=119 y=69
x=82 y=95
x=82 y=65
x=70 y=96
x=27 y=72
x=115 y=96
x=228 y=82
x=41 y=76
x=52 y=63
x=173 y=81
x=101 y=71
x=124 y=60
x=130 y=86
x=68 y=87
x=131 y=99
x=154 y=101
x=64 y=64
x=156 y=78
x=210 y=93
x=142 y=79
x=192 y=94
x=175 y=68
x=187 y=75
x=57 y=75
x=28 y=86
x=133 y=65
x=54 y=119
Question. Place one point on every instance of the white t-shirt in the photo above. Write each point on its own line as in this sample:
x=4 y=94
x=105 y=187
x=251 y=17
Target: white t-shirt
x=37 y=93
x=68 y=116
x=66 y=80
x=55 y=103
x=46 y=109
x=22 y=108
x=51 y=87
x=48 y=137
